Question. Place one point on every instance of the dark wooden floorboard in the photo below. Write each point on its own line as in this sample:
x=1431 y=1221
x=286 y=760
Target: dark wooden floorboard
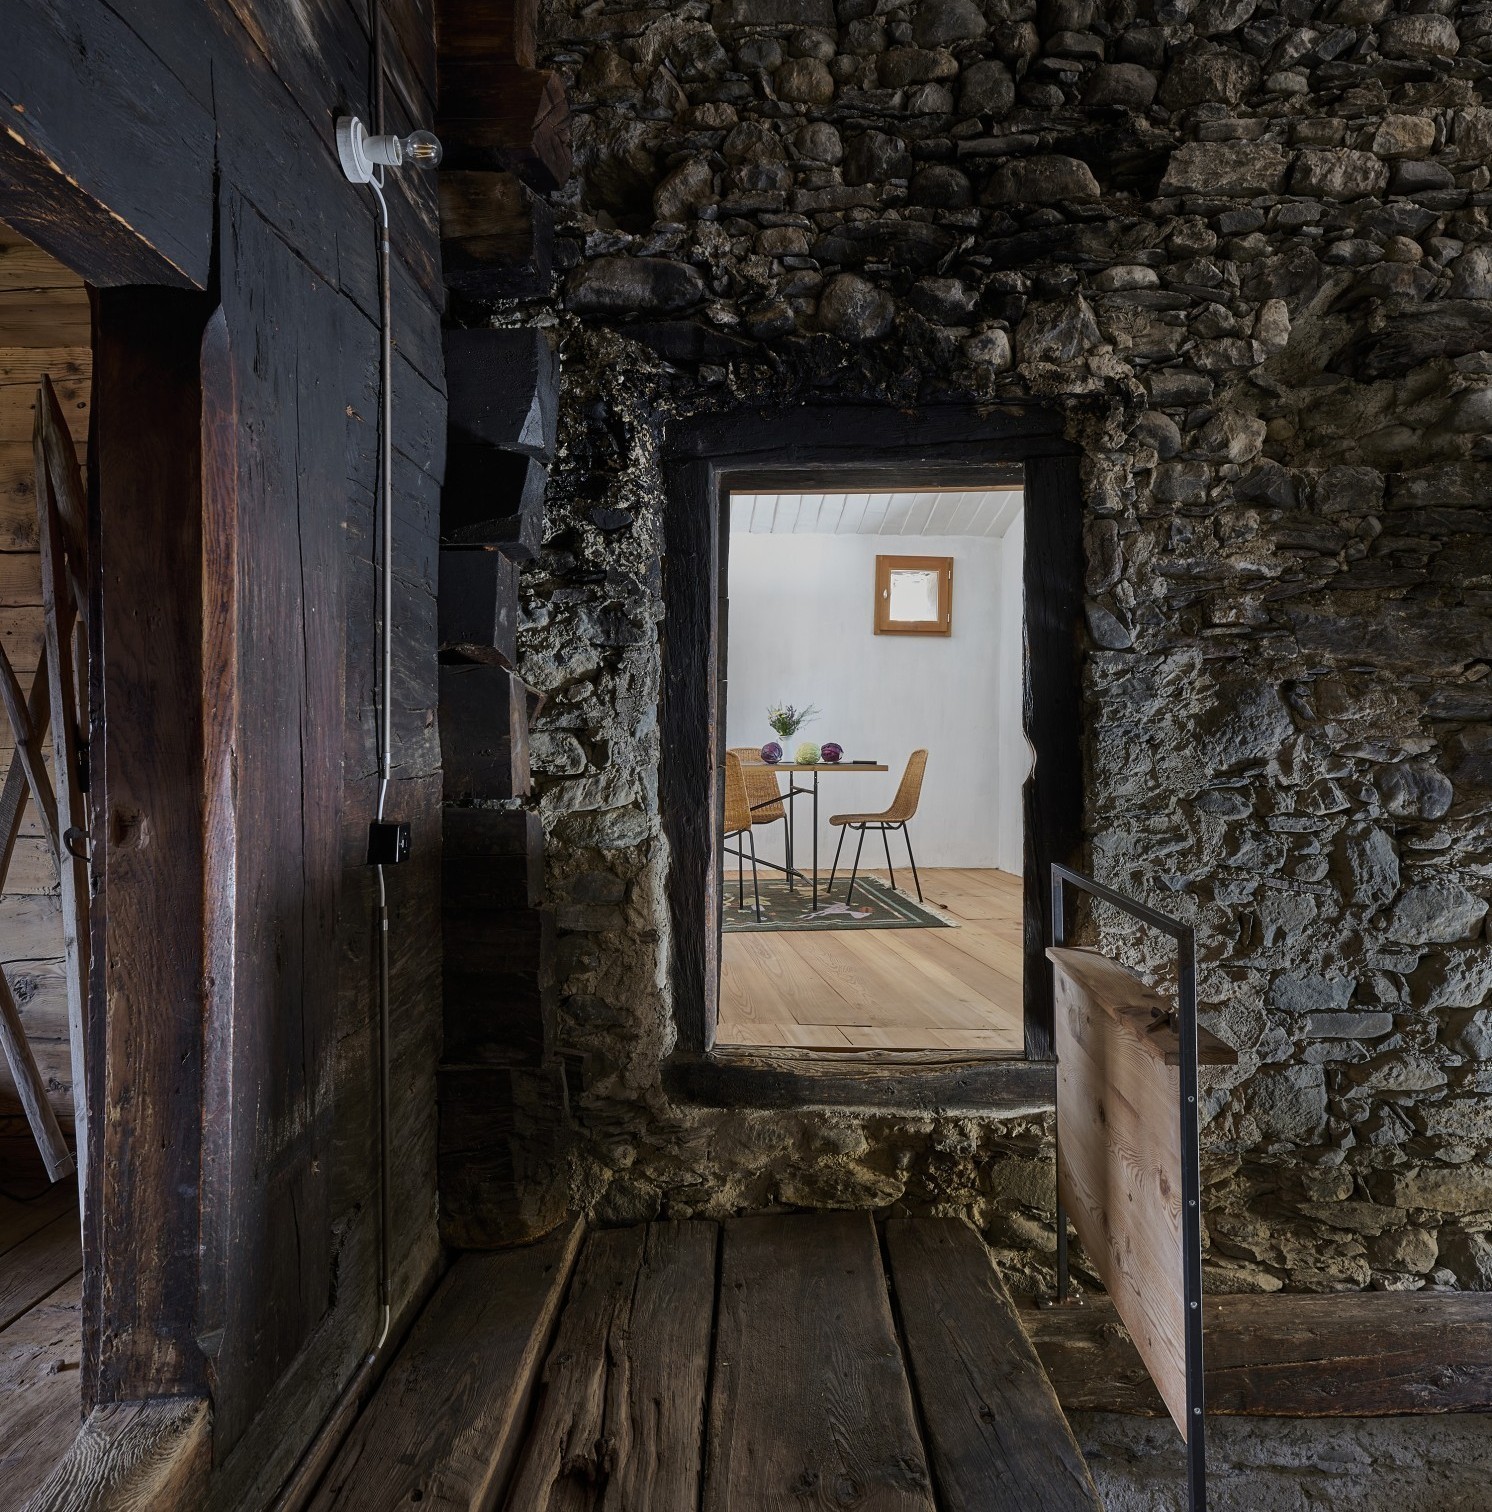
x=1338 y=1354
x=40 y=1401
x=996 y=1436
x=810 y=1408
x=444 y=1427
x=19 y=1220
x=38 y=1265
x=619 y=1423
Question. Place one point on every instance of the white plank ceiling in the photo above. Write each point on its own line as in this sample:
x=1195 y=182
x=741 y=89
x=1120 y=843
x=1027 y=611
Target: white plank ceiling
x=938 y=512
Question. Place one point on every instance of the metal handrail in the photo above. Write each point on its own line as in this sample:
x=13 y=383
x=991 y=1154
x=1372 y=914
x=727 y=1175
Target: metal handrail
x=1191 y=1157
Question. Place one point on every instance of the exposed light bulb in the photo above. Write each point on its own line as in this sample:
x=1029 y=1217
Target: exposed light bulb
x=361 y=154
x=422 y=148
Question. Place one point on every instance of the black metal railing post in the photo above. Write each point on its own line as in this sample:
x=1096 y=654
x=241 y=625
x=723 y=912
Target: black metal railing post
x=1191 y=1158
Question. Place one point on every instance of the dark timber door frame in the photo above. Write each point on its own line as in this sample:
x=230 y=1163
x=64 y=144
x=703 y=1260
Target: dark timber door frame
x=859 y=447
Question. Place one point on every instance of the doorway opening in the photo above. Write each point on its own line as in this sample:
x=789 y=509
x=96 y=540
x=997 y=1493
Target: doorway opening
x=872 y=892
x=45 y=332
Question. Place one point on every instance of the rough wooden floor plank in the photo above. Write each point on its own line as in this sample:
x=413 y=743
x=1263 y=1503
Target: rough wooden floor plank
x=995 y=1433
x=40 y=1405
x=132 y=1455
x=620 y=1419
x=19 y=1220
x=38 y=1265
x=444 y=1426
x=810 y=1408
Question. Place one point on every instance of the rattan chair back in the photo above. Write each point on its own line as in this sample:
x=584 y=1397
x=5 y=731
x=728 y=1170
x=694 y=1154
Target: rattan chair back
x=909 y=790
x=737 y=804
x=762 y=791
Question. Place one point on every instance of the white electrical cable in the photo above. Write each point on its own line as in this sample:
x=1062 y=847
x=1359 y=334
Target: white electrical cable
x=385 y=749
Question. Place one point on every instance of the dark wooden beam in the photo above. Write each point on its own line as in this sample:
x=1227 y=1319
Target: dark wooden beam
x=1341 y=1354
x=493 y=858
x=928 y=1083
x=497 y=236
x=473 y=30
x=497 y=114
x=495 y=498
x=502 y=389
x=106 y=161
x=147 y=827
x=478 y=604
x=497 y=962
x=483 y=732
x=497 y=1189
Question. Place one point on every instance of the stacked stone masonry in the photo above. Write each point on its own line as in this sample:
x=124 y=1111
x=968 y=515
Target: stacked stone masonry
x=1243 y=245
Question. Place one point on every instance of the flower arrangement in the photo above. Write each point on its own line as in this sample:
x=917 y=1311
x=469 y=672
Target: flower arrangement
x=807 y=754
x=787 y=721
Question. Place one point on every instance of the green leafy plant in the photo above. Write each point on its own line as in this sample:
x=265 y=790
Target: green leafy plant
x=787 y=721
x=807 y=754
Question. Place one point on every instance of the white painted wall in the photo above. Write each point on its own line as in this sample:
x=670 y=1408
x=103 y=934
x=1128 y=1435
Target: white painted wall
x=802 y=631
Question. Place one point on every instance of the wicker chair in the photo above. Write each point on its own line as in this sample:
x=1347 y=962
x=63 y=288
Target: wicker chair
x=738 y=824
x=903 y=808
x=765 y=798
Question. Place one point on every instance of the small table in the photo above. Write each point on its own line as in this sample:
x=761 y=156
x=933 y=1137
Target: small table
x=792 y=768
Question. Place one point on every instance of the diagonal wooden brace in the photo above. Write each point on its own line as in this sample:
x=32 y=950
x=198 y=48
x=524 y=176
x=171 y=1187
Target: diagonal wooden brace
x=28 y=745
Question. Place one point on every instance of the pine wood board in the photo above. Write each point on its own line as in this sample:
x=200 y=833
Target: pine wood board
x=45 y=317
x=810 y=1406
x=38 y=1265
x=33 y=868
x=619 y=1420
x=21 y=634
x=20 y=580
x=799 y=1036
x=1119 y=1175
x=444 y=1427
x=18 y=404
x=23 y=265
x=40 y=1402
x=996 y=1436
x=30 y=929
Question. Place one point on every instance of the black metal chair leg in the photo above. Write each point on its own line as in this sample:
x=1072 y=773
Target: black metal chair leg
x=855 y=870
x=741 y=875
x=906 y=835
x=886 y=841
x=756 y=891
x=833 y=869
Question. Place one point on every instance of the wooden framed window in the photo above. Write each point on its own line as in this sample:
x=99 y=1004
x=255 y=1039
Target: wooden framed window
x=914 y=595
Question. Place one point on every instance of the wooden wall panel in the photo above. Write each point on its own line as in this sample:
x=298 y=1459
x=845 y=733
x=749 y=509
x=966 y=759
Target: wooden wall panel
x=44 y=328
x=204 y=143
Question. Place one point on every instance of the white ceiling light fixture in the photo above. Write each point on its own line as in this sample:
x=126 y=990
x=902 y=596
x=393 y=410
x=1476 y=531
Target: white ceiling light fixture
x=362 y=154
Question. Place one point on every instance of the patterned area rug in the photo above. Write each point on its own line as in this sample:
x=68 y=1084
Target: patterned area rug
x=876 y=906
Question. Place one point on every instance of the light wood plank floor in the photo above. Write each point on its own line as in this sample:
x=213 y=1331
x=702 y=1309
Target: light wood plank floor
x=886 y=989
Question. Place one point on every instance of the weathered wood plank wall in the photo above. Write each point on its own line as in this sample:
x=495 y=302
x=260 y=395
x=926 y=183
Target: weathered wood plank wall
x=198 y=151
x=44 y=328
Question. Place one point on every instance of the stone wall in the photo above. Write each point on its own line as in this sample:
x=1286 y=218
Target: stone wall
x=1244 y=246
